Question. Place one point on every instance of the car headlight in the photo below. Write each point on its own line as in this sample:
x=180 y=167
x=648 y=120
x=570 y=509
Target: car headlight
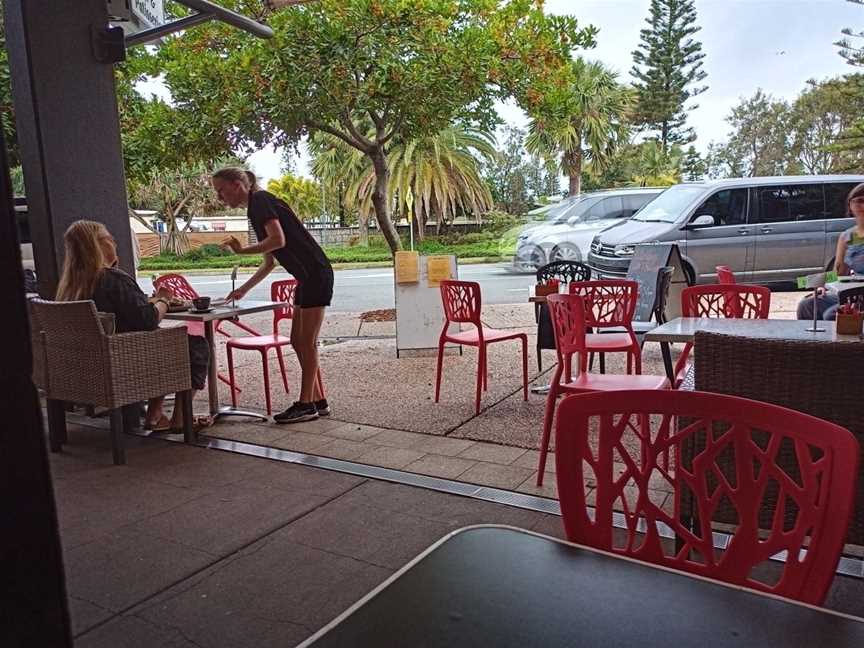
x=624 y=250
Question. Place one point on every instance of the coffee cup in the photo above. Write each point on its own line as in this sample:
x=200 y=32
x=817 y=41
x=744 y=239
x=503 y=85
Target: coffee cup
x=201 y=303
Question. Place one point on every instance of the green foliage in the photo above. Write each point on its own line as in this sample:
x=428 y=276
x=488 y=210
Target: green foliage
x=304 y=196
x=584 y=124
x=7 y=112
x=207 y=251
x=516 y=180
x=693 y=167
x=759 y=142
x=409 y=67
x=850 y=46
x=666 y=66
x=430 y=179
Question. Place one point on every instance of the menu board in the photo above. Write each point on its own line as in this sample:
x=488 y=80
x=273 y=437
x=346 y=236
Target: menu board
x=407 y=267
x=438 y=270
x=646 y=262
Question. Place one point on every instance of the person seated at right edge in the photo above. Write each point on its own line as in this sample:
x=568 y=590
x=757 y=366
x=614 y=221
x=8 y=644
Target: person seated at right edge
x=849 y=259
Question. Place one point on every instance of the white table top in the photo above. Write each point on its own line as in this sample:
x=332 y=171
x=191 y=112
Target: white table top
x=225 y=311
x=840 y=286
x=683 y=329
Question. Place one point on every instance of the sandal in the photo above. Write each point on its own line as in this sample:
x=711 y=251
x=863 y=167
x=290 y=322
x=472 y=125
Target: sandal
x=162 y=425
x=198 y=423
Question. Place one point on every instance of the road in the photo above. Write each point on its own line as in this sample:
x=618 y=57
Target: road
x=372 y=289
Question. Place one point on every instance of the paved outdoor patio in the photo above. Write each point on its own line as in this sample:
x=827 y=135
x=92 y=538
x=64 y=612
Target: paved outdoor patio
x=189 y=547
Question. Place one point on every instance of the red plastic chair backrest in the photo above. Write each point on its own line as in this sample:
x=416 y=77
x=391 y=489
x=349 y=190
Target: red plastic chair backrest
x=283 y=291
x=725 y=275
x=608 y=302
x=567 y=313
x=726 y=300
x=461 y=301
x=629 y=444
x=178 y=284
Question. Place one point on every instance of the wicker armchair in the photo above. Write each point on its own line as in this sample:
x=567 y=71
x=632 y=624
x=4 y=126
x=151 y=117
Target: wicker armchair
x=80 y=362
x=818 y=378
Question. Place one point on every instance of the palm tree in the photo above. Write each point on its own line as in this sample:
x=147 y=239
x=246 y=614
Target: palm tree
x=656 y=167
x=587 y=123
x=432 y=177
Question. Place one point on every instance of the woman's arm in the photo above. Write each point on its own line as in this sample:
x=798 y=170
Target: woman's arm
x=840 y=266
x=274 y=240
x=263 y=270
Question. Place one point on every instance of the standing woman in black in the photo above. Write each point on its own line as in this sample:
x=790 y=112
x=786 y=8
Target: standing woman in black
x=283 y=238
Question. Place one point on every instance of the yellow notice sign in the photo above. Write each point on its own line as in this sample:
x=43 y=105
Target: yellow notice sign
x=407 y=267
x=438 y=269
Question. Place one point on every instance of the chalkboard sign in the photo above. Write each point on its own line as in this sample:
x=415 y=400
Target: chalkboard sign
x=646 y=261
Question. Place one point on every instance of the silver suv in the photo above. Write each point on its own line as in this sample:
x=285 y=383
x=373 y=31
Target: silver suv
x=571 y=225
x=766 y=230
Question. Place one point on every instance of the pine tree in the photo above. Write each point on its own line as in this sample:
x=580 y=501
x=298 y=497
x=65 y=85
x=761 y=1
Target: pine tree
x=693 y=167
x=666 y=66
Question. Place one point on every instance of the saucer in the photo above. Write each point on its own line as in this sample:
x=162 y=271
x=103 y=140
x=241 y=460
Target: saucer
x=201 y=312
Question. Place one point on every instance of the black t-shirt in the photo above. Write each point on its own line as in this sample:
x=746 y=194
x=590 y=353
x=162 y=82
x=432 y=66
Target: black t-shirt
x=116 y=292
x=301 y=255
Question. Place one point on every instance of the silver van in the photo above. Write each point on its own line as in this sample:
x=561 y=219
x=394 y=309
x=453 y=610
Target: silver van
x=571 y=225
x=766 y=230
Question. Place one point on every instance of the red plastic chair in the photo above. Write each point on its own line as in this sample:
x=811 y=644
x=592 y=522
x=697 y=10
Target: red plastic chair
x=280 y=291
x=462 y=305
x=732 y=301
x=568 y=321
x=610 y=303
x=182 y=289
x=625 y=444
x=725 y=275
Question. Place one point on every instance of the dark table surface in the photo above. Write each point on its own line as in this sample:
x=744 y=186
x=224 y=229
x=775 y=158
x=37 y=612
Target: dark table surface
x=500 y=586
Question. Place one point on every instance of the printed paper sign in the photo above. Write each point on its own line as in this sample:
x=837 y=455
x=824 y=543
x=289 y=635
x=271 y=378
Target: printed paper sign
x=407 y=267
x=438 y=269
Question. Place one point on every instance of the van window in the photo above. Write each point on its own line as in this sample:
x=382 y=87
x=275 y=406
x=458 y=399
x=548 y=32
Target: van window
x=835 y=199
x=635 y=202
x=611 y=207
x=728 y=207
x=790 y=203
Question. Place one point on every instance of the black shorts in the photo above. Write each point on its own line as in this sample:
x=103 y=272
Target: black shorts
x=199 y=360
x=315 y=291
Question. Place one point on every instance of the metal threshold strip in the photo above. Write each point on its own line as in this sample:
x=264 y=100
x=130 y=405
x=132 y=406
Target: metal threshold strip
x=848 y=566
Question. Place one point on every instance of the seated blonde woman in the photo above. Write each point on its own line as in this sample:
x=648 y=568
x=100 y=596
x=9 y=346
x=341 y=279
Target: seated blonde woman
x=89 y=272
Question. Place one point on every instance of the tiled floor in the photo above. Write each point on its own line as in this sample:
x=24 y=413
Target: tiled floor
x=476 y=462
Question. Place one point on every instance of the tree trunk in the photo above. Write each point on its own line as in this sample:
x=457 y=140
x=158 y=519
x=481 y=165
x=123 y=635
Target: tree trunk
x=380 y=200
x=343 y=220
x=418 y=222
x=573 y=167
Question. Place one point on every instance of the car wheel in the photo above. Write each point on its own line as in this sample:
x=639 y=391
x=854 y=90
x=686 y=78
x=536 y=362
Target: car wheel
x=565 y=252
x=530 y=259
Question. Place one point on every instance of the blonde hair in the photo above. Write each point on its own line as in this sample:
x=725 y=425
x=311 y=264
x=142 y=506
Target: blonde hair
x=83 y=262
x=236 y=174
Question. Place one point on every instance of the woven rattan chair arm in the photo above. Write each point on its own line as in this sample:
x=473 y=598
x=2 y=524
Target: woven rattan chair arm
x=145 y=364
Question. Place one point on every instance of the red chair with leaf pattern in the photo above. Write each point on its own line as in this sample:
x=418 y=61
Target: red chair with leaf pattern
x=619 y=454
x=280 y=291
x=569 y=315
x=610 y=303
x=725 y=275
x=182 y=289
x=462 y=306
x=733 y=301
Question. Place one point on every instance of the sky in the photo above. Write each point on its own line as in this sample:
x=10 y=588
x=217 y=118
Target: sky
x=775 y=45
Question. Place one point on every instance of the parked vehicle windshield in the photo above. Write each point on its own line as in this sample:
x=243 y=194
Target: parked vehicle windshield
x=667 y=207
x=570 y=207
